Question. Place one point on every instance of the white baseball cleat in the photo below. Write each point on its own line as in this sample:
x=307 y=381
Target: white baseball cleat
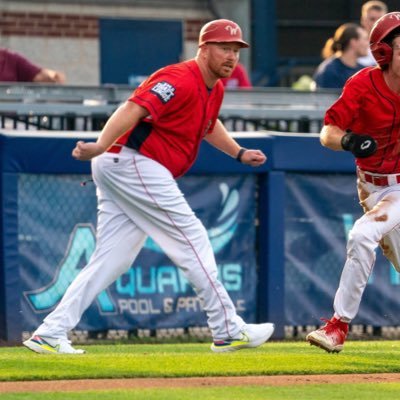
x=46 y=345
x=252 y=335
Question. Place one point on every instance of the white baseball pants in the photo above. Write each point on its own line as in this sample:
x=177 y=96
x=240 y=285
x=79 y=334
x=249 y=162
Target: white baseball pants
x=380 y=225
x=138 y=197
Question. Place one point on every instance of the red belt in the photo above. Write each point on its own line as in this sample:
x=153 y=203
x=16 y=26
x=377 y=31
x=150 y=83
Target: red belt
x=384 y=180
x=115 y=148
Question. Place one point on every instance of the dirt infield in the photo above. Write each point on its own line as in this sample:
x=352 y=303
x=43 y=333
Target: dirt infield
x=136 y=383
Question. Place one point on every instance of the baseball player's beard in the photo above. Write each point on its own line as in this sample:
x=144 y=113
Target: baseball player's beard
x=224 y=72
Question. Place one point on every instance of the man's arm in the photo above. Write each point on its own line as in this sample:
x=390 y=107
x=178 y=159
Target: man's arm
x=331 y=137
x=46 y=75
x=125 y=117
x=222 y=140
x=27 y=71
x=360 y=145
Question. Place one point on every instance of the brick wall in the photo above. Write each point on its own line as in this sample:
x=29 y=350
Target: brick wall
x=48 y=24
x=192 y=28
x=67 y=25
x=68 y=41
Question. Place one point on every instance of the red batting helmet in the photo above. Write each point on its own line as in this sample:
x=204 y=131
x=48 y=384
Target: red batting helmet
x=382 y=51
x=221 y=30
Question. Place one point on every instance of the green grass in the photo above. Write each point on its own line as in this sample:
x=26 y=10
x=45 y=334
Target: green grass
x=381 y=391
x=184 y=360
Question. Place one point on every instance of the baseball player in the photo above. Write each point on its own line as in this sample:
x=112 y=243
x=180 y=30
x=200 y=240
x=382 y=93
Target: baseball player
x=365 y=121
x=150 y=140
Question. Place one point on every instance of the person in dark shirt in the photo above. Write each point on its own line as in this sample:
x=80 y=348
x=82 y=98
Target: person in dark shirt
x=16 y=68
x=341 y=53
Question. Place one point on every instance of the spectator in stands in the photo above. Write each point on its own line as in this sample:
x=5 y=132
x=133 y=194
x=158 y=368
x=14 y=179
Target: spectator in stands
x=16 y=68
x=238 y=79
x=371 y=11
x=341 y=53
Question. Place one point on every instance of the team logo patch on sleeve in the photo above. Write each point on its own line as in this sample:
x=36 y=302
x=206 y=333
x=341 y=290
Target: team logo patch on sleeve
x=164 y=90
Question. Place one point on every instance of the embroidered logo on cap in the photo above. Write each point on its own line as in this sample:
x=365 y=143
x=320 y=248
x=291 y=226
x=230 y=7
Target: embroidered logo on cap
x=164 y=90
x=233 y=31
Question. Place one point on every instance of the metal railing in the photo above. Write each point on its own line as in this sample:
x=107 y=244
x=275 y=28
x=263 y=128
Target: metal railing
x=46 y=107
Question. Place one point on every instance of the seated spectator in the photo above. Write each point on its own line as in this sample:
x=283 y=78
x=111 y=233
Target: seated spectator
x=16 y=68
x=341 y=53
x=371 y=11
x=238 y=79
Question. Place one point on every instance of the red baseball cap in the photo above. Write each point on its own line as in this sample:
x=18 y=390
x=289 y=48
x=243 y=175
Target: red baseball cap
x=221 y=30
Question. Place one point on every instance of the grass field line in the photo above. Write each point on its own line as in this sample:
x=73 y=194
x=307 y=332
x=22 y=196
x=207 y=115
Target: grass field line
x=140 y=383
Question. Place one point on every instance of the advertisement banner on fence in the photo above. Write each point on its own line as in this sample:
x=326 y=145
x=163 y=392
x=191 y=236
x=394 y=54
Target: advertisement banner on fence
x=57 y=219
x=320 y=211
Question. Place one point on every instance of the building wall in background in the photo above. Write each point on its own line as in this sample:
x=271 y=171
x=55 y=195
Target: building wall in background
x=63 y=35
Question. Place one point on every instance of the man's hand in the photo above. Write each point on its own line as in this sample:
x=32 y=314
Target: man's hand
x=361 y=146
x=255 y=158
x=86 y=151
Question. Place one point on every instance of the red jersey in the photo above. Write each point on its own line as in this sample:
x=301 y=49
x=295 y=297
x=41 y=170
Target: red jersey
x=239 y=78
x=182 y=111
x=368 y=106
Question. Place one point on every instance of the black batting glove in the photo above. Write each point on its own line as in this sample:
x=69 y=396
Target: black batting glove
x=361 y=146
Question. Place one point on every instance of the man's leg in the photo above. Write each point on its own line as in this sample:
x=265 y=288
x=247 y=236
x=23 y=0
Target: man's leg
x=119 y=241
x=364 y=238
x=162 y=212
